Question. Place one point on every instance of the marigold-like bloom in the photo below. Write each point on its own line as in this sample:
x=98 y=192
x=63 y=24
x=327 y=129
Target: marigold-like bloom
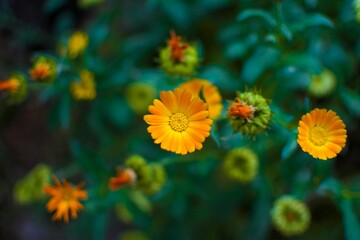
x=44 y=69
x=30 y=188
x=178 y=57
x=290 y=216
x=65 y=199
x=250 y=113
x=322 y=85
x=86 y=88
x=124 y=177
x=241 y=164
x=15 y=88
x=322 y=134
x=77 y=44
x=209 y=92
x=179 y=122
x=139 y=96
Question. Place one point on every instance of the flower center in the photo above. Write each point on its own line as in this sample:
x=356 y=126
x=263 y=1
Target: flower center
x=241 y=110
x=318 y=135
x=291 y=216
x=178 y=122
x=67 y=195
x=41 y=71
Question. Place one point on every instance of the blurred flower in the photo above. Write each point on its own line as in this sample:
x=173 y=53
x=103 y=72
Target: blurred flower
x=357 y=9
x=209 y=92
x=15 y=88
x=29 y=189
x=178 y=57
x=124 y=177
x=241 y=164
x=139 y=96
x=322 y=133
x=179 y=122
x=85 y=89
x=134 y=235
x=65 y=199
x=43 y=70
x=89 y=3
x=322 y=85
x=250 y=113
x=77 y=43
x=158 y=178
x=290 y=216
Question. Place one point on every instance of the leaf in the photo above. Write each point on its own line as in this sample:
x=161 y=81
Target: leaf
x=303 y=61
x=289 y=149
x=352 y=101
x=142 y=202
x=350 y=220
x=239 y=48
x=313 y=20
x=64 y=111
x=331 y=185
x=262 y=59
x=250 y=13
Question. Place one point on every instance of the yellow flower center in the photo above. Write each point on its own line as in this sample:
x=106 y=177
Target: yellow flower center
x=179 y=122
x=318 y=135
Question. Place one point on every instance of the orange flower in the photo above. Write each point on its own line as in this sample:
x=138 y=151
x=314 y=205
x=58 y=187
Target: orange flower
x=241 y=109
x=179 y=122
x=210 y=93
x=65 y=199
x=321 y=133
x=177 y=47
x=10 y=85
x=41 y=71
x=124 y=177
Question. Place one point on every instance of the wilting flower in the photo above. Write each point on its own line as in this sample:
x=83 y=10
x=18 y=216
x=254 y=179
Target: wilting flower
x=139 y=96
x=357 y=9
x=30 y=188
x=322 y=133
x=322 y=85
x=178 y=57
x=150 y=178
x=179 y=122
x=43 y=70
x=241 y=164
x=15 y=88
x=77 y=43
x=86 y=88
x=209 y=92
x=65 y=199
x=290 y=216
x=123 y=177
x=250 y=113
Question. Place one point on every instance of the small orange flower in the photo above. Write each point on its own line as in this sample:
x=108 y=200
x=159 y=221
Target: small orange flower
x=177 y=47
x=65 y=199
x=124 y=177
x=41 y=71
x=241 y=109
x=9 y=85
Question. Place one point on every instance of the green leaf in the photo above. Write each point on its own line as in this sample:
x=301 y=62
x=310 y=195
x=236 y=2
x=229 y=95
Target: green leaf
x=313 y=20
x=289 y=148
x=250 y=13
x=64 y=111
x=352 y=101
x=351 y=221
x=331 y=185
x=262 y=59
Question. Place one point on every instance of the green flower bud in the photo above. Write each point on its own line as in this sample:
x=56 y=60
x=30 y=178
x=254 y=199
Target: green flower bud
x=241 y=164
x=322 y=85
x=250 y=114
x=141 y=169
x=159 y=177
x=290 y=216
x=139 y=96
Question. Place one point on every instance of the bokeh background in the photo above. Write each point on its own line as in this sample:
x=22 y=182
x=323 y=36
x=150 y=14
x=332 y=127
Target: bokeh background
x=274 y=46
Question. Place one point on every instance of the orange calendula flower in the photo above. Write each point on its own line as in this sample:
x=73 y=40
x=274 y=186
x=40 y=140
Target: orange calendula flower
x=10 y=85
x=177 y=47
x=209 y=92
x=322 y=134
x=179 y=122
x=65 y=199
x=241 y=109
x=124 y=177
x=43 y=70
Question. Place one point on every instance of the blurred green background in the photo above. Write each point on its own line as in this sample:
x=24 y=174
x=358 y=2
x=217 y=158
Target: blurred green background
x=274 y=46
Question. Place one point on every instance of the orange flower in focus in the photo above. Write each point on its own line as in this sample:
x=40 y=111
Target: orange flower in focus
x=241 y=109
x=177 y=47
x=209 y=92
x=41 y=71
x=10 y=85
x=65 y=199
x=124 y=177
